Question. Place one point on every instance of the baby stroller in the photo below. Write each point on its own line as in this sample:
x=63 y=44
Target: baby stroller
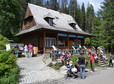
x=72 y=72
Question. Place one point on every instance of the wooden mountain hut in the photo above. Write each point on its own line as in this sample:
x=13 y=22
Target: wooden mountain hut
x=43 y=27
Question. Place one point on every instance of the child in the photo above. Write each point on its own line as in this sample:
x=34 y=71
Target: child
x=67 y=63
x=62 y=58
x=92 y=61
x=50 y=53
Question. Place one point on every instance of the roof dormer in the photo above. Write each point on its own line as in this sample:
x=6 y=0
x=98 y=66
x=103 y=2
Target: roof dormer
x=49 y=18
x=72 y=23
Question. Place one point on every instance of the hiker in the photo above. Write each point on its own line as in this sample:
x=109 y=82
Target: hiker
x=67 y=63
x=65 y=57
x=30 y=50
x=17 y=50
x=110 y=60
x=101 y=54
x=105 y=58
x=62 y=58
x=50 y=53
x=92 y=61
x=26 y=51
x=82 y=62
x=89 y=53
x=96 y=58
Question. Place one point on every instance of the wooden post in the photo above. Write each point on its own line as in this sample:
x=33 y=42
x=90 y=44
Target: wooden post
x=76 y=41
x=84 y=42
x=90 y=42
x=68 y=40
x=57 y=40
x=44 y=43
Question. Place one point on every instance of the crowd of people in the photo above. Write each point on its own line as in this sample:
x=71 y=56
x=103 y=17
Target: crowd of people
x=27 y=49
x=82 y=63
x=66 y=56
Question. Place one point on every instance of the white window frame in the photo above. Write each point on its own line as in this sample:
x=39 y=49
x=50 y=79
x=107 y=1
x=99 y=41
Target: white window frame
x=52 y=42
x=51 y=22
x=79 y=42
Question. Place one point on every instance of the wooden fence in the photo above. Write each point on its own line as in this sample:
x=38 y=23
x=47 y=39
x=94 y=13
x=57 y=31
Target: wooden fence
x=57 y=53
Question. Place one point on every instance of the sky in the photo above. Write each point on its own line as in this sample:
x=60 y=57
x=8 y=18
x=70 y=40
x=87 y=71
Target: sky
x=96 y=3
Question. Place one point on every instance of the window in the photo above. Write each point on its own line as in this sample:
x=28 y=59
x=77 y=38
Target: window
x=28 y=19
x=73 y=25
x=56 y=17
x=79 y=42
x=51 y=22
x=50 y=41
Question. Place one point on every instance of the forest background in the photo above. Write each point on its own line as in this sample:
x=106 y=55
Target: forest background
x=100 y=24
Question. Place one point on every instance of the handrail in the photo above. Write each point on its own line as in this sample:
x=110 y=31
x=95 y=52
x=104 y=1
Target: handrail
x=56 y=53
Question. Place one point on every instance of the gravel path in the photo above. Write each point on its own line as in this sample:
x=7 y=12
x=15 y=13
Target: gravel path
x=34 y=70
x=89 y=74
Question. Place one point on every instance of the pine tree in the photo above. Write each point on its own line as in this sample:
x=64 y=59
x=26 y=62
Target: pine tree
x=83 y=19
x=47 y=3
x=89 y=18
x=54 y=4
x=10 y=17
x=108 y=24
x=64 y=7
x=73 y=8
x=97 y=31
x=39 y=2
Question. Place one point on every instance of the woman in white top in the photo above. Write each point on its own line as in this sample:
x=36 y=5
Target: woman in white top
x=26 y=50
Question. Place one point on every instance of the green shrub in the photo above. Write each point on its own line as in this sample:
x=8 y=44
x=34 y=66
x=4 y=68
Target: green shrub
x=87 y=40
x=3 y=42
x=9 y=71
x=50 y=64
x=56 y=66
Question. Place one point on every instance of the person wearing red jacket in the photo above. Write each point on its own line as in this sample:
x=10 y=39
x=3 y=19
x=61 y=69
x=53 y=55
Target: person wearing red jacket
x=92 y=61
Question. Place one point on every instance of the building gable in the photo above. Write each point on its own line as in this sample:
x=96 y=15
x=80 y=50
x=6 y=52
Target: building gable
x=28 y=21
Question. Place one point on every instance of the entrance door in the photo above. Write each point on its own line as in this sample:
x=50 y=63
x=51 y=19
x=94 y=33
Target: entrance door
x=70 y=44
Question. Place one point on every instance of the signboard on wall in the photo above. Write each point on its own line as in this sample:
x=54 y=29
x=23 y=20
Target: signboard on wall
x=8 y=47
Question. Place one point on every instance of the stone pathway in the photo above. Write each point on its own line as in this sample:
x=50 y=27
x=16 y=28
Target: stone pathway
x=34 y=70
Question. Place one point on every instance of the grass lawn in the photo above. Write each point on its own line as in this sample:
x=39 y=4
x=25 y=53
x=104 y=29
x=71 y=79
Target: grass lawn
x=74 y=58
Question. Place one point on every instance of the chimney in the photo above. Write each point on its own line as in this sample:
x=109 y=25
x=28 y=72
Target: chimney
x=59 y=11
x=46 y=7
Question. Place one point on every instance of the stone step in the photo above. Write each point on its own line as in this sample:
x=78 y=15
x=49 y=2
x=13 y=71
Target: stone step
x=63 y=70
x=59 y=61
x=101 y=63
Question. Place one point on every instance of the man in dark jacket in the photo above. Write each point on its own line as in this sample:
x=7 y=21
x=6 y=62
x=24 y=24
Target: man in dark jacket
x=110 y=60
x=81 y=60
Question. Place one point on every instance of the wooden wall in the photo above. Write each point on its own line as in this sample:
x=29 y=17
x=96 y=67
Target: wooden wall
x=30 y=38
x=28 y=21
x=37 y=39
